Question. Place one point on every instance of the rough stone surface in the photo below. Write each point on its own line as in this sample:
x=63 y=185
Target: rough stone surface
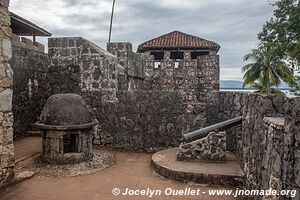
x=133 y=114
x=134 y=76
x=31 y=86
x=119 y=86
x=6 y=100
x=24 y=175
x=291 y=164
x=273 y=157
x=86 y=68
x=6 y=118
x=66 y=115
x=266 y=144
x=66 y=109
x=141 y=121
x=141 y=108
x=26 y=43
x=210 y=148
x=132 y=62
x=194 y=80
x=222 y=106
x=81 y=66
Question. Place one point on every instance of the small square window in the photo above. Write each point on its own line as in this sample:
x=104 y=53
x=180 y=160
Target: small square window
x=176 y=55
x=194 y=55
x=158 y=55
x=71 y=142
x=176 y=64
x=157 y=64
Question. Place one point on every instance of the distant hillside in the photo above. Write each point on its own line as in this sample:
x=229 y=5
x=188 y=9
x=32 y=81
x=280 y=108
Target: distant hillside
x=231 y=84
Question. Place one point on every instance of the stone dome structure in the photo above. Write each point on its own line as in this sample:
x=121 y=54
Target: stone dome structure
x=66 y=126
x=66 y=109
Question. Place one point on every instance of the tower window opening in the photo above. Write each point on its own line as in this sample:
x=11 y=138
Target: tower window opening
x=176 y=55
x=158 y=56
x=195 y=54
x=176 y=66
x=157 y=64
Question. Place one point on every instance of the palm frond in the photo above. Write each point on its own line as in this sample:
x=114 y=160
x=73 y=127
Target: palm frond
x=267 y=68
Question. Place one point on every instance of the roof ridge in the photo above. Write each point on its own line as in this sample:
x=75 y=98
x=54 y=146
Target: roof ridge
x=178 y=39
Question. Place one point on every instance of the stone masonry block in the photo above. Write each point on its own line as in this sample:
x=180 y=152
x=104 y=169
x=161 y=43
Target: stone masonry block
x=210 y=148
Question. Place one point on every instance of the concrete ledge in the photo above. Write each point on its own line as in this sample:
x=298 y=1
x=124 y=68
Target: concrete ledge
x=65 y=127
x=225 y=174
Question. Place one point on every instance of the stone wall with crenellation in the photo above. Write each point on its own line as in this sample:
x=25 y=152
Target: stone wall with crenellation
x=116 y=81
x=6 y=81
x=193 y=79
x=139 y=82
x=133 y=115
x=134 y=77
x=27 y=43
x=72 y=65
x=78 y=65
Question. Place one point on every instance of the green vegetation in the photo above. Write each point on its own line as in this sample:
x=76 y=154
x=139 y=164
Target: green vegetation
x=283 y=30
x=278 y=55
x=266 y=70
x=295 y=86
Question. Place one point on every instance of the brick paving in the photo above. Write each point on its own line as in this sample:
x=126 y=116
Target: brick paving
x=132 y=170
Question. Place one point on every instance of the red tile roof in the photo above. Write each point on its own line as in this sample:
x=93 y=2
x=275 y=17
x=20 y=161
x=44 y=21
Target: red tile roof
x=178 y=40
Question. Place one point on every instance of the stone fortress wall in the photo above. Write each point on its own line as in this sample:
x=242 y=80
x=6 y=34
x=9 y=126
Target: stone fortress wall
x=30 y=65
x=267 y=142
x=79 y=65
x=145 y=109
x=148 y=117
x=193 y=79
x=133 y=113
x=27 y=43
x=6 y=81
x=134 y=76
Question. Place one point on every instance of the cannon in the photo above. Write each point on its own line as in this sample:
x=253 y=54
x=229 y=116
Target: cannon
x=203 y=132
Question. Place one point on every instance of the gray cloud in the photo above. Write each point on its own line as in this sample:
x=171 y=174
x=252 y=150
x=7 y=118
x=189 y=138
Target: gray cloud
x=234 y=24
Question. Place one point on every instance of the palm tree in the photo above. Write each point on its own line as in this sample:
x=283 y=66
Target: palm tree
x=267 y=68
x=258 y=87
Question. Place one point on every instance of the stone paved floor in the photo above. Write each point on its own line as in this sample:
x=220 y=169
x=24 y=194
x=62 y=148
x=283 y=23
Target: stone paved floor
x=132 y=170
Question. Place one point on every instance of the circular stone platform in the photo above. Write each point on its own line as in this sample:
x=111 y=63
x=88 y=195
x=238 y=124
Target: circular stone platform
x=228 y=173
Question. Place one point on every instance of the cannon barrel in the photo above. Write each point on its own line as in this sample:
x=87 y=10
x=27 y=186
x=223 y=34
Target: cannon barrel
x=203 y=132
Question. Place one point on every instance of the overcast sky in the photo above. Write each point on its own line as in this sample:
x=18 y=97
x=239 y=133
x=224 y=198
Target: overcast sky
x=233 y=24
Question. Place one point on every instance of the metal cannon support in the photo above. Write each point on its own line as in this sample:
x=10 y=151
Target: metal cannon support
x=203 y=132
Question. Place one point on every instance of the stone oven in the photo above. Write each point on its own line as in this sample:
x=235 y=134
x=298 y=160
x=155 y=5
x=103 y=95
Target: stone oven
x=66 y=124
